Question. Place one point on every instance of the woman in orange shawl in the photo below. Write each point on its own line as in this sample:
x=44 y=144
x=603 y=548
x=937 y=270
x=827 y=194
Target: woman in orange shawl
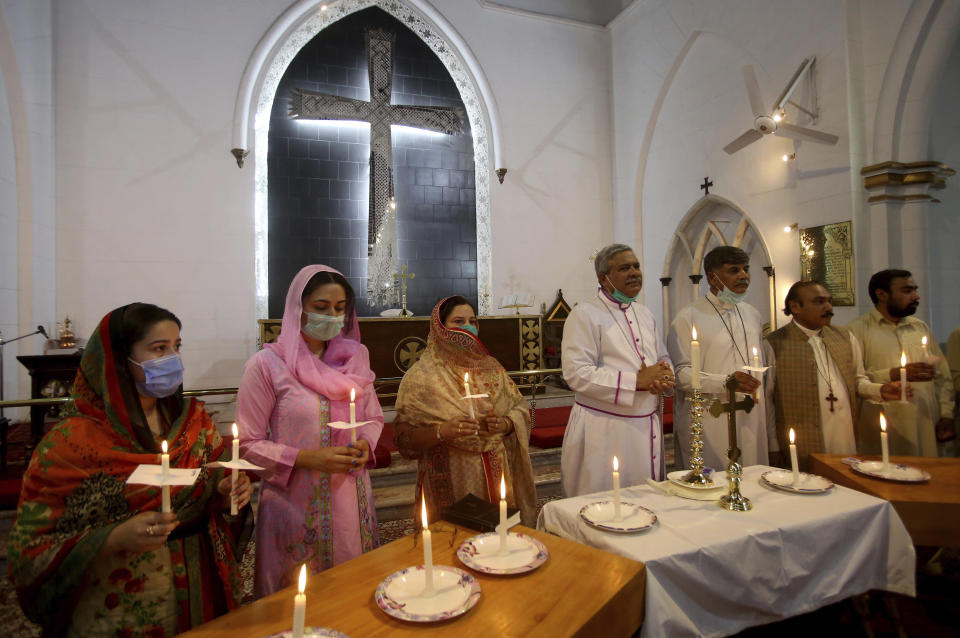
x=93 y=556
x=457 y=454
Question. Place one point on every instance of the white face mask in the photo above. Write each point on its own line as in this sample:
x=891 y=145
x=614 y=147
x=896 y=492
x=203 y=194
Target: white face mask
x=322 y=327
x=728 y=296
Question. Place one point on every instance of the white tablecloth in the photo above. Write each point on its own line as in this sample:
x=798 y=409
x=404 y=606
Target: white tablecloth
x=711 y=572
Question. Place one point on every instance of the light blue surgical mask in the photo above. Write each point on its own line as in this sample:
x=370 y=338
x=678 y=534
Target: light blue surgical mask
x=728 y=296
x=472 y=329
x=619 y=296
x=322 y=327
x=163 y=376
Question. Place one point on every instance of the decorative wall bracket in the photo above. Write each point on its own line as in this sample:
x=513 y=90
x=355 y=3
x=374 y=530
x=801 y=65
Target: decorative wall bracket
x=906 y=182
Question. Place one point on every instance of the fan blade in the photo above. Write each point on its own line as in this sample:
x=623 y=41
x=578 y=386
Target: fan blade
x=747 y=138
x=753 y=91
x=800 y=133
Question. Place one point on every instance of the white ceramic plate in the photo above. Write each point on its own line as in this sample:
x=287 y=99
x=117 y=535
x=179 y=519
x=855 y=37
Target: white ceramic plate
x=719 y=480
x=896 y=472
x=311 y=632
x=806 y=483
x=634 y=517
x=401 y=594
x=482 y=553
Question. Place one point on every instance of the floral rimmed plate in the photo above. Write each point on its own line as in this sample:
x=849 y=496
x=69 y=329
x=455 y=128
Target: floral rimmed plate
x=312 y=632
x=634 y=517
x=896 y=472
x=482 y=553
x=806 y=483
x=401 y=594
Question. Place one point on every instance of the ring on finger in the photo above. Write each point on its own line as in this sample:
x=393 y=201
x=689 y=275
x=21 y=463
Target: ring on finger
x=149 y=530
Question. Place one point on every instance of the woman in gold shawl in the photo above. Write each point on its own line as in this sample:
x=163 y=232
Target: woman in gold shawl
x=457 y=454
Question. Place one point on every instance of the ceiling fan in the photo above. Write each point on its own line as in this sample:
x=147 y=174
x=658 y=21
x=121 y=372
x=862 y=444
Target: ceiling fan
x=766 y=122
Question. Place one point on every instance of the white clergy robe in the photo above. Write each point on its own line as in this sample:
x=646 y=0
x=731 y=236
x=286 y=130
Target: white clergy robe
x=727 y=335
x=837 y=425
x=605 y=344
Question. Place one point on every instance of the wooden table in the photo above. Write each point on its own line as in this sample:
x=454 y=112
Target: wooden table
x=579 y=591
x=930 y=511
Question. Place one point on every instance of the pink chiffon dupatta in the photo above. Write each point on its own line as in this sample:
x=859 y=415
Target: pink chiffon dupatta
x=346 y=362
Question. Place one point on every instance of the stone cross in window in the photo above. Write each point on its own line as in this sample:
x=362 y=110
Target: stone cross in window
x=381 y=114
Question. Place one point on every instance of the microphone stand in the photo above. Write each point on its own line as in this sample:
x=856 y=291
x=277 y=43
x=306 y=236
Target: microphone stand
x=4 y=421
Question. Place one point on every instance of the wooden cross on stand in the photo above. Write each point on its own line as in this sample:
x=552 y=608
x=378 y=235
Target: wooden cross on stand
x=733 y=501
x=705 y=186
x=401 y=278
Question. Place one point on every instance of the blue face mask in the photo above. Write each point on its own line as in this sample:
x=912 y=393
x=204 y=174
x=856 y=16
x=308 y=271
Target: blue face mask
x=619 y=296
x=472 y=329
x=163 y=376
x=728 y=296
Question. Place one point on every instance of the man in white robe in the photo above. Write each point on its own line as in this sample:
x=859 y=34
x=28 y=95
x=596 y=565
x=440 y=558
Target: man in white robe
x=615 y=360
x=730 y=333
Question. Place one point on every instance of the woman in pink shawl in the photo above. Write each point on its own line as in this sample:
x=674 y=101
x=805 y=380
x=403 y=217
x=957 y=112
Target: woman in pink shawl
x=316 y=503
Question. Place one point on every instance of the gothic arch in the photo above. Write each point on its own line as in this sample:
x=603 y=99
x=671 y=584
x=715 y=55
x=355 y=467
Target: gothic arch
x=720 y=221
x=281 y=43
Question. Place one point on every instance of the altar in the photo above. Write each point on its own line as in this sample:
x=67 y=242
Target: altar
x=713 y=572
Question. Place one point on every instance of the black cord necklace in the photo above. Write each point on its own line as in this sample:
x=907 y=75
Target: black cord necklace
x=730 y=331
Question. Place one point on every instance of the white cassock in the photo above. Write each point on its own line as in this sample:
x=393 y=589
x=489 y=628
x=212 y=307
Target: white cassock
x=837 y=424
x=605 y=344
x=727 y=335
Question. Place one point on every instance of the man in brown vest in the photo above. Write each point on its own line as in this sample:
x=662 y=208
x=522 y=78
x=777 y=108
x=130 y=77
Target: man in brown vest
x=819 y=374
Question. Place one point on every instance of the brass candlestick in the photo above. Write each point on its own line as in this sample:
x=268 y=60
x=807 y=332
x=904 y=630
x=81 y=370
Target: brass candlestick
x=695 y=475
x=734 y=500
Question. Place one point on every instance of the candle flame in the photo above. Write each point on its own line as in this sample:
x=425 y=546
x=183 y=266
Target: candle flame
x=163 y=446
x=754 y=350
x=466 y=377
x=353 y=394
x=694 y=332
x=924 y=340
x=423 y=510
x=616 y=464
x=903 y=359
x=302 y=583
x=883 y=423
x=793 y=437
x=503 y=488
x=236 y=434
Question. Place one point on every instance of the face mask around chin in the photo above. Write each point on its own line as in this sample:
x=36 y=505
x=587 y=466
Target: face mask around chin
x=163 y=376
x=322 y=327
x=728 y=296
x=619 y=296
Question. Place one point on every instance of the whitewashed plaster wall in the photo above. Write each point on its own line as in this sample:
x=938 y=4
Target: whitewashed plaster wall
x=152 y=206
x=27 y=222
x=679 y=97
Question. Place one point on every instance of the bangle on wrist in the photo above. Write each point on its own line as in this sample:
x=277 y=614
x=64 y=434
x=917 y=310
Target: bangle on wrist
x=439 y=438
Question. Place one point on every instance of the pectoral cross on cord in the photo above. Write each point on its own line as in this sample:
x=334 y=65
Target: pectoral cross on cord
x=832 y=399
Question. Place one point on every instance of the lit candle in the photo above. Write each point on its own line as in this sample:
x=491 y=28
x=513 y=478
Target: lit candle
x=616 y=490
x=233 y=474
x=466 y=390
x=884 y=445
x=300 y=604
x=903 y=376
x=353 y=415
x=793 y=458
x=756 y=358
x=503 y=516
x=695 y=359
x=923 y=344
x=164 y=473
x=428 y=590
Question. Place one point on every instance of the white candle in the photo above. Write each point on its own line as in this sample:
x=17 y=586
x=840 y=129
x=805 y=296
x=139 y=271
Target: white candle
x=164 y=473
x=428 y=589
x=923 y=344
x=884 y=446
x=903 y=376
x=233 y=474
x=617 y=516
x=695 y=359
x=353 y=415
x=300 y=604
x=793 y=458
x=466 y=390
x=756 y=358
x=503 y=516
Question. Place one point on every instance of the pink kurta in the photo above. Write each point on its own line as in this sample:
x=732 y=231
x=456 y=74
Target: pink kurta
x=297 y=521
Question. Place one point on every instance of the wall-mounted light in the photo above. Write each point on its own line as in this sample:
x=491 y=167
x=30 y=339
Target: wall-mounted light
x=790 y=228
x=787 y=157
x=323 y=7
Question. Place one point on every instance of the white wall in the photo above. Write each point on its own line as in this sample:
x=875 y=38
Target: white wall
x=152 y=206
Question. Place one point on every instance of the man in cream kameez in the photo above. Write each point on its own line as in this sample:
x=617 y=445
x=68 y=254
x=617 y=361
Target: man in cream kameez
x=615 y=361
